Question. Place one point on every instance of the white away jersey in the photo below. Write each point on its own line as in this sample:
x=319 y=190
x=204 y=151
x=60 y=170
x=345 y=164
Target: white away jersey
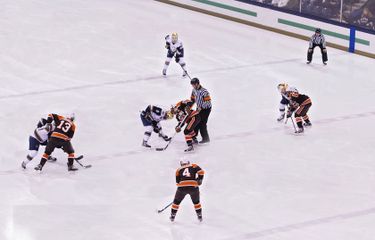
x=174 y=47
x=157 y=113
x=41 y=134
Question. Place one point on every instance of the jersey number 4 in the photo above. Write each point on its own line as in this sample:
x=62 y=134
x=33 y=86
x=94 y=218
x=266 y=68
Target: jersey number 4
x=65 y=126
x=186 y=173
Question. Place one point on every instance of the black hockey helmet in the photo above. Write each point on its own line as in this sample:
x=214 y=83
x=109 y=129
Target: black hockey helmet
x=318 y=30
x=184 y=105
x=194 y=81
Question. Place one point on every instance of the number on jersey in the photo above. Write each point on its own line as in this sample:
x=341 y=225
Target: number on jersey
x=186 y=173
x=64 y=125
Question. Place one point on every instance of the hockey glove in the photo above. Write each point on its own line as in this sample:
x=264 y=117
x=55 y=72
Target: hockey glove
x=199 y=181
x=48 y=127
x=178 y=129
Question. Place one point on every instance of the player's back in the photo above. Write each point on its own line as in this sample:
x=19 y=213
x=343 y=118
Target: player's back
x=186 y=176
x=300 y=99
x=64 y=129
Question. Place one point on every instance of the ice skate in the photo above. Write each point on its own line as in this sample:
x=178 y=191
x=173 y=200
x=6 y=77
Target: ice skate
x=145 y=144
x=189 y=149
x=299 y=130
x=172 y=217
x=279 y=119
x=38 y=167
x=204 y=141
x=199 y=215
x=23 y=164
x=72 y=168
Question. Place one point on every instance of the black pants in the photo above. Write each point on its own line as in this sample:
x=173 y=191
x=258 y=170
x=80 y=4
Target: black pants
x=324 y=53
x=180 y=195
x=204 y=114
x=53 y=143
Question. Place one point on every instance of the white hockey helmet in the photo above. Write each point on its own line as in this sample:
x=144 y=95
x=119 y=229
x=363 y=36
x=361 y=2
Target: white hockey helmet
x=282 y=87
x=174 y=37
x=184 y=161
x=292 y=89
x=71 y=116
x=292 y=92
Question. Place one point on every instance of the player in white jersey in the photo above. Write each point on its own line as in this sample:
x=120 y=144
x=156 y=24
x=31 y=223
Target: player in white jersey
x=175 y=49
x=151 y=118
x=38 y=137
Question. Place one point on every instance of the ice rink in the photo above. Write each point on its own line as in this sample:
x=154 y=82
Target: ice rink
x=103 y=61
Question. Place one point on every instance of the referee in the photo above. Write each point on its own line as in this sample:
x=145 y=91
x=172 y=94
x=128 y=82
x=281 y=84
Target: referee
x=202 y=98
x=317 y=40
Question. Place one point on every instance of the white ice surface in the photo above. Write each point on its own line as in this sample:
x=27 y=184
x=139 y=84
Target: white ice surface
x=103 y=61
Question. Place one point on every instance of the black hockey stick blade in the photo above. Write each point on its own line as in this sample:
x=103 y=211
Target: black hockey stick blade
x=84 y=166
x=161 y=210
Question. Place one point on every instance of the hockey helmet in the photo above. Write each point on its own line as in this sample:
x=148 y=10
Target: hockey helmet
x=282 y=87
x=292 y=91
x=318 y=30
x=169 y=114
x=182 y=105
x=174 y=37
x=184 y=161
x=71 y=116
x=194 y=81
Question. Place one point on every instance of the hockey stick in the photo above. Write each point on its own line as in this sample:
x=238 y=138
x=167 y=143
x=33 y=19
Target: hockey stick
x=294 y=126
x=166 y=146
x=161 y=210
x=79 y=158
x=179 y=125
x=187 y=74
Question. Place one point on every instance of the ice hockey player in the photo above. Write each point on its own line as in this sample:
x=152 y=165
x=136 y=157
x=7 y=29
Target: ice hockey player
x=284 y=100
x=188 y=179
x=60 y=138
x=186 y=115
x=317 y=40
x=175 y=49
x=39 y=137
x=300 y=105
x=151 y=118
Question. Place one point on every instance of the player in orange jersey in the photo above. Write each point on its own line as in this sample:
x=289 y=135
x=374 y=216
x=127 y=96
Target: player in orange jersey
x=185 y=115
x=188 y=179
x=60 y=138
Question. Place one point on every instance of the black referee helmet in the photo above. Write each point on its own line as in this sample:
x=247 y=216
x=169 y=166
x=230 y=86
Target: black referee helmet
x=194 y=81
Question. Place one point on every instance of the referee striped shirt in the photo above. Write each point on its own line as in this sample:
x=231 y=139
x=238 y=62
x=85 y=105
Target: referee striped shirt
x=318 y=40
x=201 y=97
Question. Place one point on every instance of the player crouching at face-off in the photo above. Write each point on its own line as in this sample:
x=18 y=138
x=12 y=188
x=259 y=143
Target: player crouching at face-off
x=186 y=115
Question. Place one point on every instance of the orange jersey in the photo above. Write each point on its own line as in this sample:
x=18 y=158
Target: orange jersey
x=187 y=176
x=65 y=128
